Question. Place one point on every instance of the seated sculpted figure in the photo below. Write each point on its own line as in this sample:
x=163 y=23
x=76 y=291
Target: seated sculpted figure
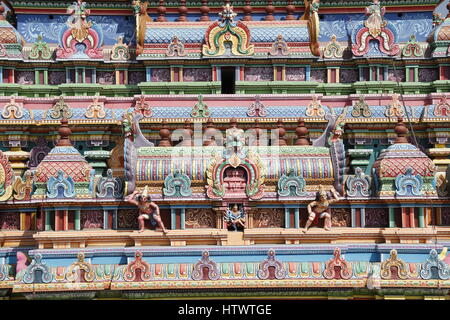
x=146 y=208
x=235 y=218
x=322 y=207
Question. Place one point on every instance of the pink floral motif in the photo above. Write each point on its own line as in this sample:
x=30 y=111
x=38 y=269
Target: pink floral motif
x=257 y=109
x=138 y=269
x=205 y=268
x=442 y=109
x=142 y=106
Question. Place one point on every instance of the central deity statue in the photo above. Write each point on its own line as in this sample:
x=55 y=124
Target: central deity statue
x=235 y=218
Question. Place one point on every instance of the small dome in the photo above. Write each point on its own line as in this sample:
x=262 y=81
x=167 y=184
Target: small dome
x=63 y=157
x=402 y=155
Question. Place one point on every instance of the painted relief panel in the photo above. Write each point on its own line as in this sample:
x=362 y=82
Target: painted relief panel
x=9 y=221
x=24 y=77
x=127 y=219
x=295 y=74
x=91 y=219
x=197 y=74
x=428 y=74
x=445 y=216
x=400 y=75
x=160 y=75
x=268 y=218
x=200 y=218
x=30 y=26
x=348 y=75
x=56 y=77
x=258 y=74
x=341 y=217
x=105 y=77
x=377 y=217
x=136 y=76
x=318 y=75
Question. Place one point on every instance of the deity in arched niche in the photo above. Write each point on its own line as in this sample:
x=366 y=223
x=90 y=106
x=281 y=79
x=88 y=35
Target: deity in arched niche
x=235 y=218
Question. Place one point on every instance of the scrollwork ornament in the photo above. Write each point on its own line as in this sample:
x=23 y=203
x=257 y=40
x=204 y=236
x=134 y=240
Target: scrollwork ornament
x=396 y=108
x=13 y=109
x=109 y=186
x=333 y=50
x=177 y=185
x=315 y=108
x=394 y=262
x=337 y=262
x=205 y=262
x=89 y=274
x=61 y=110
x=359 y=184
x=138 y=263
x=37 y=265
x=433 y=261
x=291 y=185
x=361 y=108
x=96 y=110
x=408 y=184
x=54 y=185
x=263 y=270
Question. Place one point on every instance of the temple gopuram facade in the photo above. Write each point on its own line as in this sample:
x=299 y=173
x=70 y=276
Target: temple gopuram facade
x=288 y=148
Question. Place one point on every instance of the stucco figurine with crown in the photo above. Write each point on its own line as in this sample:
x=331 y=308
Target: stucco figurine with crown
x=146 y=208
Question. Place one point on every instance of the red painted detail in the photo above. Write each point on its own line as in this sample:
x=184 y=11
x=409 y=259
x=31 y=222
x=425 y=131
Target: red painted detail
x=205 y=275
x=292 y=267
x=316 y=267
x=237 y=268
x=183 y=268
x=158 y=269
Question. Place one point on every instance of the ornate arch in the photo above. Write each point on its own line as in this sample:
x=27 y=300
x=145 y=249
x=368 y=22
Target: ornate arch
x=408 y=184
x=137 y=264
x=443 y=271
x=37 y=265
x=291 y=185
x=205 y=262
x=337 y=262
x=251 y=164
x=394 y=261
x=271 y=261
x=358 y=185
x=227 y=31
x=80 y=265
